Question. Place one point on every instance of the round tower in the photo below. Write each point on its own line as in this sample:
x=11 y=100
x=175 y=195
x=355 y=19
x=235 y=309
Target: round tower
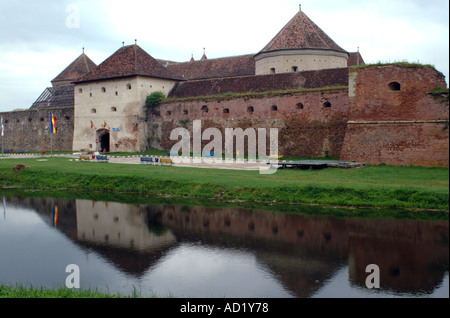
x=300 y=46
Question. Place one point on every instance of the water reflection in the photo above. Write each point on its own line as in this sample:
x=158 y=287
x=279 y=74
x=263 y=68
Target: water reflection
x=228 y=252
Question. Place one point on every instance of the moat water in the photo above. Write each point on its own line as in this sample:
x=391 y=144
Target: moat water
x=194 y=251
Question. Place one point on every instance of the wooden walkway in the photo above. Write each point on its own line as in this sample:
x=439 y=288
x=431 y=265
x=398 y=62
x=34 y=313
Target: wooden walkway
x=316 y=164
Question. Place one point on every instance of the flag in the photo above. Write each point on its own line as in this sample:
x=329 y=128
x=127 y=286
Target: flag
x=52 y=124
x=3 y=128
x=92 y=124
x=55 y=215
x=105 y=124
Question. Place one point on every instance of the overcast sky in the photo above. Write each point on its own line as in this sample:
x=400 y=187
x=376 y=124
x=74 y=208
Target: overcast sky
x=39 y=38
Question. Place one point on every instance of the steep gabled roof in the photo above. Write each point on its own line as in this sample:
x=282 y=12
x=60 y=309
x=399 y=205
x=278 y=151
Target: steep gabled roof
x=129 y=60
x=81 y=66
x=301 y=33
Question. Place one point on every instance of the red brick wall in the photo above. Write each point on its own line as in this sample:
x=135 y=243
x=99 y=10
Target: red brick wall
x=375 y=101
x=420 y=144
x=310 y=130
x=405 y=127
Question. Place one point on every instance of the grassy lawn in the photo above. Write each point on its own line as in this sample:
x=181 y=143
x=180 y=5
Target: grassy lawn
x=377 y=186
x=19 y=291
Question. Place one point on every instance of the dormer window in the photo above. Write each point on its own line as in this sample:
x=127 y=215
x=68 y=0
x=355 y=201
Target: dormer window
x=272 y=70
x=294 y=68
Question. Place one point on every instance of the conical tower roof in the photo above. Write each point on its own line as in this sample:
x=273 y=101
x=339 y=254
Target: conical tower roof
x=130 y=60
x=79 y=67
x=301 y=33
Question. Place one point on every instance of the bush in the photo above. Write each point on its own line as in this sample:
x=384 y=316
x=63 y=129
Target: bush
x=154 y=99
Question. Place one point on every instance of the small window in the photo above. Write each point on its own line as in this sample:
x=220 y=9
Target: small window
x=18 y=120
x=394 y=86
x=168 y=113
x=113 y=109
x=90 y=145
x=103 y=90
x=300 y=106
x=80 y=91
x=185 y=112
x=128 y=86
x=272 y=70
x=90 y=94
x=67 y=117
x=42 y=118
x=294 y=68
x=274 y=107
x=204 y=108
x=117 y=94
x=226 y=111
x=6 y=121
x=93 y=110
x=250 y=109
x=327 y=104
x=30 y=120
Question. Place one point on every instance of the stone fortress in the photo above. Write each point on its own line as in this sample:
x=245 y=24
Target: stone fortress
x=324 y=100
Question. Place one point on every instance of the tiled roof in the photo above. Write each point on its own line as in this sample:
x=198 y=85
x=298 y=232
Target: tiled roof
x=355 y=58
x=301 y=33
x=214 y=68
x=261 y=83
x=129 y=60
x=81 y=66
x=58 y=96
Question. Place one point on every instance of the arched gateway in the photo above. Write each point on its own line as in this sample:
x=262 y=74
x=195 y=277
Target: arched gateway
x=103 y=139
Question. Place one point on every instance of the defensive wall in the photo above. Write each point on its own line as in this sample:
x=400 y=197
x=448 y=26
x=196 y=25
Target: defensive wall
x=388 y=114
x=395 y=118
x=29 y=130
x=309 y=109
x=375 y=114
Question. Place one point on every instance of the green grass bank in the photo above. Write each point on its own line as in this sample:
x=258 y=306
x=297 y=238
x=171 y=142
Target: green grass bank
x=20 y=291
x=373 y=186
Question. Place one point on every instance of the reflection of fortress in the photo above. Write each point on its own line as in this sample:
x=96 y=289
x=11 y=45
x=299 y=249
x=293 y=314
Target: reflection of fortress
x=412 y=255
x=319 y=96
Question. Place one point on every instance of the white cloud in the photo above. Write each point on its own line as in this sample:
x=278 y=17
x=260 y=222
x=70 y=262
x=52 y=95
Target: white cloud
x=36 y=44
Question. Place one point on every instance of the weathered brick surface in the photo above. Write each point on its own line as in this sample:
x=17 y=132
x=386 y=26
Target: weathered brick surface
x=423 y=144
x=29 y=130
x=399 y=127
x=307 y=125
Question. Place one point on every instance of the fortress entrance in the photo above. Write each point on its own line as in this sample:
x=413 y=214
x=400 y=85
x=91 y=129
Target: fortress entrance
x=103 y=139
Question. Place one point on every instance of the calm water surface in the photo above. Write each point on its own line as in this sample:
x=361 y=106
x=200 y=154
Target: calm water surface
x=187 y=251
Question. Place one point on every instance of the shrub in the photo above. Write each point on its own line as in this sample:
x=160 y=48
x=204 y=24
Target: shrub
x=154 y=99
